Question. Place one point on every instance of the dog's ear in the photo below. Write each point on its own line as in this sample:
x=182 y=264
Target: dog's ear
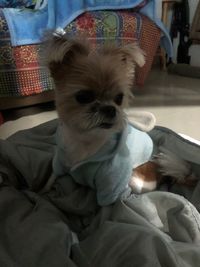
x=61 y=51
x=132 y=54
x=127 y=57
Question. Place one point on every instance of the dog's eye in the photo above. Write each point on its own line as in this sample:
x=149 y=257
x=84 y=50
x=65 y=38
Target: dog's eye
x=118 y=99
x=85 y=96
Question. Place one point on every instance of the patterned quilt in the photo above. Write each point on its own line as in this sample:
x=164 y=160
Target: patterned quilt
x=22 y=75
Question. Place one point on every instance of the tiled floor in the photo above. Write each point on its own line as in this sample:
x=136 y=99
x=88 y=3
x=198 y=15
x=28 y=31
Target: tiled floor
x=174 y=100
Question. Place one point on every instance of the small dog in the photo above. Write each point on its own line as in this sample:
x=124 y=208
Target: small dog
x=96 y=144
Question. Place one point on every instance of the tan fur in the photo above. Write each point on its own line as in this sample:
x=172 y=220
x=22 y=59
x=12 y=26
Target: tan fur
x=107 y=72
x=147 y=171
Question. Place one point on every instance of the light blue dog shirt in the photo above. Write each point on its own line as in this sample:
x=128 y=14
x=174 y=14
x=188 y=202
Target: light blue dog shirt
x=109 y=170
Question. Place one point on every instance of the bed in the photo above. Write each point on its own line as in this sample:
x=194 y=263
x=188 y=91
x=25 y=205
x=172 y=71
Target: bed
x=66 y=227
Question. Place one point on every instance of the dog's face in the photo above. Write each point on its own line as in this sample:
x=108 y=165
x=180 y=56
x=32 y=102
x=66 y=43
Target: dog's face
x=92 y=87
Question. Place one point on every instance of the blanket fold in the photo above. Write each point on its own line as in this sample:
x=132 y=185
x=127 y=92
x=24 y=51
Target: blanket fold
x=37 y=229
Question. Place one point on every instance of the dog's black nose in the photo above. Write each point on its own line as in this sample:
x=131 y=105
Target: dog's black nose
x=109 y=111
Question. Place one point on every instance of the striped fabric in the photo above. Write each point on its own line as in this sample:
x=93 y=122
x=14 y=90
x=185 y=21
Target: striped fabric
x=22 y=75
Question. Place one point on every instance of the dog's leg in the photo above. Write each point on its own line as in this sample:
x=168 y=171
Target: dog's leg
x=144 y=178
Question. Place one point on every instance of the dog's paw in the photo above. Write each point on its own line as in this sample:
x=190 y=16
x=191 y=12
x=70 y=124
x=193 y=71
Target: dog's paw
x=144 y=178
x=138 y=185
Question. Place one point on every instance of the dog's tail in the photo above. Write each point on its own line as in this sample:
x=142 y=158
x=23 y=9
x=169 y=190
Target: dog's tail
x=174 y=166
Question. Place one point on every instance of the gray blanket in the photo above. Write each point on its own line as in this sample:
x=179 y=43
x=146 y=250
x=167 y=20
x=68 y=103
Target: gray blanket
x=65 y=227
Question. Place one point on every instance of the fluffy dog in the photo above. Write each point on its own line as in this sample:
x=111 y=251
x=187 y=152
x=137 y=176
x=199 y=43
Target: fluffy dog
x=96 y=144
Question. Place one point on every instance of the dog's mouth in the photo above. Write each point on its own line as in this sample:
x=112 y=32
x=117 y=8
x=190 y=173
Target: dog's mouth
x=106 y=125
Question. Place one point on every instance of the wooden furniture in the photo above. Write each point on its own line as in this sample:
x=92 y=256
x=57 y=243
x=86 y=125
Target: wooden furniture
x=24 y=101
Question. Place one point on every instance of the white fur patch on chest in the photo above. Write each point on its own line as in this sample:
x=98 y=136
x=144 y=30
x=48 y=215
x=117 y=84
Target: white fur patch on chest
x=138 y=185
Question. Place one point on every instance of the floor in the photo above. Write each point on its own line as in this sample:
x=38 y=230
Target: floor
x=174 y=100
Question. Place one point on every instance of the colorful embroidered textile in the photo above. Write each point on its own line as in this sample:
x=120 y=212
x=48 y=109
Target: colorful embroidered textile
x=27 y=26
x=21 y=74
